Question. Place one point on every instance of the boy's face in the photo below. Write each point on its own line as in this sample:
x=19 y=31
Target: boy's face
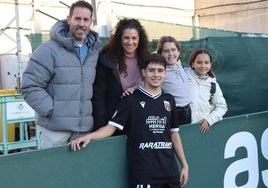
x=154 y=75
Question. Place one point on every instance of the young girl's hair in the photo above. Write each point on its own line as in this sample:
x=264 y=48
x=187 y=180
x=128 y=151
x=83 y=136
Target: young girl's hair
x=165 y=39
x=196 y=53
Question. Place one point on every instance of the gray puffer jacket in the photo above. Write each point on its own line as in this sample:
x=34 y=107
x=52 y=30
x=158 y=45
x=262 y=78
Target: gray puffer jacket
x=58 y=86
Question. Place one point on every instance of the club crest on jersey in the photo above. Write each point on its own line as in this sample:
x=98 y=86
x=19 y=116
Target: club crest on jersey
x=142 y=103
x=167 y=105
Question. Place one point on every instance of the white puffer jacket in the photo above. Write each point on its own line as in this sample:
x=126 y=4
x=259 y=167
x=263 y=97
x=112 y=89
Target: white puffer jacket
x=200 y=95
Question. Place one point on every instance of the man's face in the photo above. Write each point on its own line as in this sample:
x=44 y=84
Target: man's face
x=154 y=75
x=79 y=22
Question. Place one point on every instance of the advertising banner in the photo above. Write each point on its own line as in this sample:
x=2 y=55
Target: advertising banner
x=232 y=154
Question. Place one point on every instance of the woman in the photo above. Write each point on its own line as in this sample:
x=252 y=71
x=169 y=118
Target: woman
x=118 y=68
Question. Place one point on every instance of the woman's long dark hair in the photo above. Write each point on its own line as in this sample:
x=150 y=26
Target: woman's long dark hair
x=115 y=48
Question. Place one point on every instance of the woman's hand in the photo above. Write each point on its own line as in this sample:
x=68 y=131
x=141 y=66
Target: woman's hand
x=128 y=91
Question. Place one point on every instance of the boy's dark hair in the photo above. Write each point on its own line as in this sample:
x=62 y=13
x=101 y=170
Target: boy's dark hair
x=154 y=58
x=83 y=4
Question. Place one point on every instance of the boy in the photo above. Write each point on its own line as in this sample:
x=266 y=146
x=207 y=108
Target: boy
x=148 y=116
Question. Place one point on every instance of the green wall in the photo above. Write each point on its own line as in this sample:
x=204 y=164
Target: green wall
x=240 y=64
x=233 y=153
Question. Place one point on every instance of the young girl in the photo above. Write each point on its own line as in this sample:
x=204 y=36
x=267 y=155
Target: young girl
x=207 y=108
x=175 y=82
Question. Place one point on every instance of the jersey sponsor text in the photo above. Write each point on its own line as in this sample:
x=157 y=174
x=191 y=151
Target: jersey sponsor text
x=155 y=145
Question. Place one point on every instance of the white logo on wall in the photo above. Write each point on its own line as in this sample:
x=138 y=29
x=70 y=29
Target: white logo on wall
x=250 y=164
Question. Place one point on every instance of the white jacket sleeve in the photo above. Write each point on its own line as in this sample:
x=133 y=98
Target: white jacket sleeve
x=219 y=107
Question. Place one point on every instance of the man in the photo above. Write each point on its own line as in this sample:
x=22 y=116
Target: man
x=57 y=82
x=148 y=115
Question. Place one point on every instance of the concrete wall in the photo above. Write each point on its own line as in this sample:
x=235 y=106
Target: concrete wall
x=37 y=16
x=240 y=15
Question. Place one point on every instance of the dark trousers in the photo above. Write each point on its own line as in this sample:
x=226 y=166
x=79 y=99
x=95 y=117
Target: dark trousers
x=184 y=115
x=161 y=185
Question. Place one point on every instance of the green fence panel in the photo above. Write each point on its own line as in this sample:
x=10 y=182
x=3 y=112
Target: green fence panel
x=102 y=164
x=234 y=153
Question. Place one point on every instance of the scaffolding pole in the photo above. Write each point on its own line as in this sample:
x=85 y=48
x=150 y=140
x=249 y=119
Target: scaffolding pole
x=18 y=40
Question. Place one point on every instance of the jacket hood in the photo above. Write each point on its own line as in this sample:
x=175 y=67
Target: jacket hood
x=59 y=30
